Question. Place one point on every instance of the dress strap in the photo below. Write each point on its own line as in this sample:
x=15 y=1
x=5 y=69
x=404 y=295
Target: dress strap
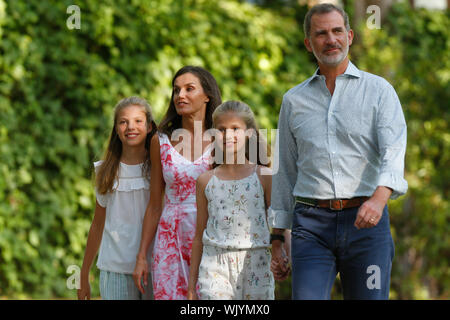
x=162 y=138
x=214 y=181
x=258 y=177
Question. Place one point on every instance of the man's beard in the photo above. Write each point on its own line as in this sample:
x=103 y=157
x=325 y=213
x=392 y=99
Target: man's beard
x=332 y=60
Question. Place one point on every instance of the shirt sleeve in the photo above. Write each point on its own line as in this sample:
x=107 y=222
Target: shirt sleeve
x=102 y=199
x=285 y=172
x=391 y=131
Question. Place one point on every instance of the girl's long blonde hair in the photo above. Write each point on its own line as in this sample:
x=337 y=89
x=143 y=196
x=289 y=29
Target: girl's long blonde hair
x=108 y=171
x=245 y=113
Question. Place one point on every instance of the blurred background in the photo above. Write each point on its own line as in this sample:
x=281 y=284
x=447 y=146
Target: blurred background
x=58 y=87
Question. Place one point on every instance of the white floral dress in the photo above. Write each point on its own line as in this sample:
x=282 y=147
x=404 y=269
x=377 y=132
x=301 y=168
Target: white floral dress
x=236 y=257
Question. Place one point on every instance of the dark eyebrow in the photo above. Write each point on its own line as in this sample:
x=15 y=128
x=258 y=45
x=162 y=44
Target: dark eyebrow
x=187 y=84
x=320 y=32
x=323 y=31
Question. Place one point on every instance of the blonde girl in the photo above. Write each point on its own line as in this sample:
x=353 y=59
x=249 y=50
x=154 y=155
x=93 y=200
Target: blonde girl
x=122 y=191
x=230 y=253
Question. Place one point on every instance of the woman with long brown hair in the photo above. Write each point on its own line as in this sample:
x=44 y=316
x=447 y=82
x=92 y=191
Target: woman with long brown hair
x=195 y=96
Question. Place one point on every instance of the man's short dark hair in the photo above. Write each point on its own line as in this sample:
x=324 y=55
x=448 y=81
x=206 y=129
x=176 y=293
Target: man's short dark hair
x=322 y=9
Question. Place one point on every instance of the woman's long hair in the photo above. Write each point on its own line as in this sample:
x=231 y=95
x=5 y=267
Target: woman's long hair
x=172 y=120
x=108 y=171
x=245 y=113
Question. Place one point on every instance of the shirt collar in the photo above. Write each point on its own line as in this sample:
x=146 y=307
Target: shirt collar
x=351 y=70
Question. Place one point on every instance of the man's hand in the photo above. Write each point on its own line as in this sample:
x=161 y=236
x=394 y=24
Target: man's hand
x=371 y=211
x=280 y=262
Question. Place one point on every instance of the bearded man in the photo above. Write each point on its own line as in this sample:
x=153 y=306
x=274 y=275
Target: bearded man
x=342 y=142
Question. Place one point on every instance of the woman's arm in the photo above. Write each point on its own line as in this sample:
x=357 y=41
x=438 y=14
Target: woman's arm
x=197 y=244
x=152 y=214
x=92 y=246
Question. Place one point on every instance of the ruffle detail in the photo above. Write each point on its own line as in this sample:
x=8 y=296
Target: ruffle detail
x=130 y=179
x=131 y=184
x=97 y=165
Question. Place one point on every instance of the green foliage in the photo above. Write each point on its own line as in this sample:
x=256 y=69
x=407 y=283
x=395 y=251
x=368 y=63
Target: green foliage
x=412 y=51
x=58 y=88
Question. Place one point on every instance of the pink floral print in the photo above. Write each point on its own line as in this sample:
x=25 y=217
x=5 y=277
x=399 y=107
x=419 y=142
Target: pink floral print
x=172 y=250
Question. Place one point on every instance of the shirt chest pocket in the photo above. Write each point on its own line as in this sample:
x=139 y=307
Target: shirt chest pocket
x=309 y=126
x=357 y=118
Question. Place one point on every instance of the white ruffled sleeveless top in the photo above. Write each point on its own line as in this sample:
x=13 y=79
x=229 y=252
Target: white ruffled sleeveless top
x=125 y=210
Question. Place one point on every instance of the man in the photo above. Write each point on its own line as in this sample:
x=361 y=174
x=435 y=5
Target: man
x=342 y=141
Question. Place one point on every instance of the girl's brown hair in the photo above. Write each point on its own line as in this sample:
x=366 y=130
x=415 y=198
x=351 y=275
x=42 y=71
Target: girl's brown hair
x=172 y=120
x=108 y=171
x=245 y=113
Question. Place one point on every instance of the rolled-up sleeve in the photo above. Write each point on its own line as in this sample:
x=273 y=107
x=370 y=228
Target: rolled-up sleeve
x=391 y=131
x=285 y=172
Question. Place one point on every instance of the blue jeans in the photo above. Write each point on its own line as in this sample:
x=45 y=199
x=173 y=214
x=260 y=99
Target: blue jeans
x=325 y=242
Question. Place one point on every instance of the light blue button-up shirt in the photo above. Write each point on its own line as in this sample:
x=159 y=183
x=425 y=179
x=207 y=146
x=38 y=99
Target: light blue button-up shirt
x=338 y=146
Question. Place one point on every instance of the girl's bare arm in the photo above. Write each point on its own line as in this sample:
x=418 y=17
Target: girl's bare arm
x=197 y=244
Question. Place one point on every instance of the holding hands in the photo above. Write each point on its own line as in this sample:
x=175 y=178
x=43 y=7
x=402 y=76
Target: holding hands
x=280 y=264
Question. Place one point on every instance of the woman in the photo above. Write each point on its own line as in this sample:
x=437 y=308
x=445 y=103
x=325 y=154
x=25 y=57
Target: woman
x=195 y=95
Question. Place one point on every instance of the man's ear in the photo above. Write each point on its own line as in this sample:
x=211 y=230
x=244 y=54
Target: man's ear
x=350 y=37
x=307 y=44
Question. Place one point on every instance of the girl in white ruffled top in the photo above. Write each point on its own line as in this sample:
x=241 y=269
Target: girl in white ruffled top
x=230 y=253
x=122 y=191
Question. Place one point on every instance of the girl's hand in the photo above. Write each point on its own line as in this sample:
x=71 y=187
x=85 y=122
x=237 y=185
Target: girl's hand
x=192 y=295
x=141 y=271
x=280 y=262
x=84 y=293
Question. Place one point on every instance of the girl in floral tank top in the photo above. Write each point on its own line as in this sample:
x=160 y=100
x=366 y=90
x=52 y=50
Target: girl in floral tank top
x=230 y=252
